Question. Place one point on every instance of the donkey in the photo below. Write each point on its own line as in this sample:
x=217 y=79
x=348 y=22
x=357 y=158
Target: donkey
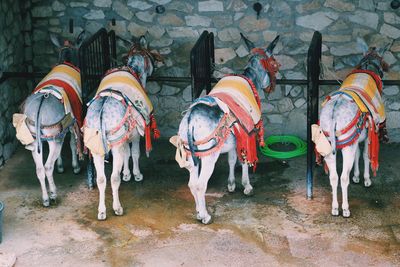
x=52 y=110
x=352 y=115
x=224 y=123
x=118 y=115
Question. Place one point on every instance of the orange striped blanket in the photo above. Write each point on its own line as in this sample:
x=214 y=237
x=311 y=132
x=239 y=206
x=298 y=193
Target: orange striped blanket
x=240 y=95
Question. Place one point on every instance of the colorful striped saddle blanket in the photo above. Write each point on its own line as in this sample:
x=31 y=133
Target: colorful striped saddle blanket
x=64 y=81
x=365 y=91
x=126 y=83
x=237 y=93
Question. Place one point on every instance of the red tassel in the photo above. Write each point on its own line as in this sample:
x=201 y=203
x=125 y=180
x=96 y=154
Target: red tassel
x=156 y=132
x=147 y=137
x=373 y=147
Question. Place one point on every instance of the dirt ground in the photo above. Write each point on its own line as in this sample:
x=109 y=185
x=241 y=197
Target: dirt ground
x=277 y=226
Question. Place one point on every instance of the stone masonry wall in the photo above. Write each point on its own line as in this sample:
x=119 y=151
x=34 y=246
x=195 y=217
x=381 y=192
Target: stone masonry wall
x=174 y=32
x=14 y=56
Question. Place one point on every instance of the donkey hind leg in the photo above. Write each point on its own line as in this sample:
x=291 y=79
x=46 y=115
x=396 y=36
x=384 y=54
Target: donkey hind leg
x=232 y=158
x=193 y=177
x=248 y=189
x=135 y=158
x=126 y=173
x=348 y=160
x=54 y=153
x=356 y=170
x=118 y=160
x=367 y=179
x=330 y=161
x=75 y=163
x=41 y=175
x=60 y=165
x=101 y=185
x=200 y=186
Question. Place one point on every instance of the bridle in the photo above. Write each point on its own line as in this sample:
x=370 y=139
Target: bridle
x=70 y=47
x=148 y=56
x=373 y=59
x=269 y=64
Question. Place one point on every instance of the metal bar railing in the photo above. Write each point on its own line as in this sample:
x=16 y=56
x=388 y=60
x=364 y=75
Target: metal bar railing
x=313 y=72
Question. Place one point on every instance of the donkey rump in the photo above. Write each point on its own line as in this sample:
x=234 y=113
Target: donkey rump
x=65 y=79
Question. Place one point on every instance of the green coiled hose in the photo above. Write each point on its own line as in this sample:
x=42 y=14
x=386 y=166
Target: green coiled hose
x=301 y=147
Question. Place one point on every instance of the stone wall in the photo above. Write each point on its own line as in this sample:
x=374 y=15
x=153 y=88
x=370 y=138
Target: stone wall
x=174 y=32
x=14 y=56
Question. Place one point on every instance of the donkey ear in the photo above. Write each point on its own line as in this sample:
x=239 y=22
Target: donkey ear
x=55 y=40
x=143 y=42
x=383 y=50
x=250 y=45
x=80 y=38
x=362 y=45
x=270 y=48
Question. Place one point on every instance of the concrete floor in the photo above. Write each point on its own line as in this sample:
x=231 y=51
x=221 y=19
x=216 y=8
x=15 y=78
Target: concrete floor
x=275 y=227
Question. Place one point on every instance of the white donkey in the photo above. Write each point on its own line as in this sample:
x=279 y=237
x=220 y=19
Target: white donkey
x=352 y=115
x=119 y=114
x=228 y=120
x=53 y=109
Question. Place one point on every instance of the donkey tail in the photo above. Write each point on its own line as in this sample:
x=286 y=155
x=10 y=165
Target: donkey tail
x=192 y=146
x=332 y=129
x=37 y=128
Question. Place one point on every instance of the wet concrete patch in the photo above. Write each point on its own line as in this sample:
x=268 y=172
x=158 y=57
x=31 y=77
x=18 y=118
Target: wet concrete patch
x=277 y=225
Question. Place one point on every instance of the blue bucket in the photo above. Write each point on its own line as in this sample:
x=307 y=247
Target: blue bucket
x=1 y=221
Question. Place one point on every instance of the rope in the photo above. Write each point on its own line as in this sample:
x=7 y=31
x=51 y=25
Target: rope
x=301 y=147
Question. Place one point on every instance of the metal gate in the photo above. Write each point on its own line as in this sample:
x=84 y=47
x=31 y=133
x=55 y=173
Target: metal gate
x=202 y=64
x=96 y=55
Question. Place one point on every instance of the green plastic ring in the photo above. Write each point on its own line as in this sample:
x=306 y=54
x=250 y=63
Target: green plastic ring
x=301 y=147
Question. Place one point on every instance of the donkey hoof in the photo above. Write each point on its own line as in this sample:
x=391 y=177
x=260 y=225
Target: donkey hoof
x=367 y=183
x=248 y=191
x=46 y=202
x=101 y=216
x=53 y=196
x=356 y=179
x=119 y=211
x=207 y=219
x=138 y=177
x=60 y=169
x=126 y=177
x=231 y=188
x=335 y=211
x=77 y=170
x=346 y=213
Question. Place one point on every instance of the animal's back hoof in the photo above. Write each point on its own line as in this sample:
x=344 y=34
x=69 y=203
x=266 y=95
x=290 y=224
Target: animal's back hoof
x=119 y=211
x=101 y=216
x=248 y=191
x=346 y=213
x=207 y=220
x=335 y=212
x=138 y=177
x=46 y=203
x=126 y=177
x=77 y=170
